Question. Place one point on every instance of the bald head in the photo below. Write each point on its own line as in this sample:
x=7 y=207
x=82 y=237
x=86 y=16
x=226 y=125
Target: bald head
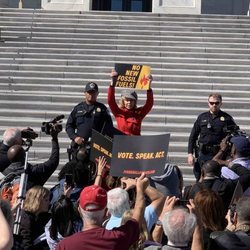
x=179 y=225
x=16 y=154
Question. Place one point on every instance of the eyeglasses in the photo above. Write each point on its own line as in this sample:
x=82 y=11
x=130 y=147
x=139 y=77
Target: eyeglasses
x=214 y=103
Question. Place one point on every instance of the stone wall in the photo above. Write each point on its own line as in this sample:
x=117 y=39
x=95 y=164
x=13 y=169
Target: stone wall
x=32 y=4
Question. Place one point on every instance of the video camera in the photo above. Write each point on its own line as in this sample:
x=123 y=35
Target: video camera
x=54 y=124
x=234 y=130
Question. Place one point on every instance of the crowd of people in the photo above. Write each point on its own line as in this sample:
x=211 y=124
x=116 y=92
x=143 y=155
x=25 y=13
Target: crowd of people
x=90 y=209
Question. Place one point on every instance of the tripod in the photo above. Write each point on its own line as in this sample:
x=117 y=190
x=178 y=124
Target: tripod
x=21 y=193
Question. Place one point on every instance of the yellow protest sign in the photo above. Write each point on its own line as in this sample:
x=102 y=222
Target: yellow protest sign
x=132 y=76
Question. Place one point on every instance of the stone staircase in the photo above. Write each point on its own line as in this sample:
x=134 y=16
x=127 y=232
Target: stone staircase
x=47 y=57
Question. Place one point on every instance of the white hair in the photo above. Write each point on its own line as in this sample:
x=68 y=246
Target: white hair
x=94 y=217
x=179 y=225
x=12 y=136
x=118 y=201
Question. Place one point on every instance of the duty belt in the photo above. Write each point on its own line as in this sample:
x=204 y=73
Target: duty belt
x=208 y=149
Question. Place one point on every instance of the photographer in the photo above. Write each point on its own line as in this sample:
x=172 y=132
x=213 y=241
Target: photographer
x=11 y=136
x=239 y=153
x=237 y=235
x=238 y=148
x=38 y=174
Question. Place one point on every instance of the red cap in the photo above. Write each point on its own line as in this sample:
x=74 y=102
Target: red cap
x=93 y=195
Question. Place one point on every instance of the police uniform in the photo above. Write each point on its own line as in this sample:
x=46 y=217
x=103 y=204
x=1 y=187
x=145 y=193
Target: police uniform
x=209 y=129
x=84 y=117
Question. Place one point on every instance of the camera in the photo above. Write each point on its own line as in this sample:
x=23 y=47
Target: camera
x=29 y=134
x=69 y=180
x=233 y=130
x=54 y=124
x=232 y=210
x=182 y=202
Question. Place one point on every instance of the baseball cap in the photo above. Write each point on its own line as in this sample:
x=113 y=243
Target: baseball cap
x=129 y=94
x=93 y=195
x=91 y=86
x=241 y=143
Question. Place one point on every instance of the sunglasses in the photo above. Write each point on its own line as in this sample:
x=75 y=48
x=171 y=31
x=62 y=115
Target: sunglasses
x=214 y=103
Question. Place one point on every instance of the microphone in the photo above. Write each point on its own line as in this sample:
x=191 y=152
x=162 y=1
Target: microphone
x=58 y=118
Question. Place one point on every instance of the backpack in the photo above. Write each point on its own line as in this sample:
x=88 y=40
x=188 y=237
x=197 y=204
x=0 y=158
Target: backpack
x=9 y=188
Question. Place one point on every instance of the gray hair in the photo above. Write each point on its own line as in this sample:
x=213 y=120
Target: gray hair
x=179 y=225
x=12 y=136
x=95 y=217
x=242 y=209
x=118 y=201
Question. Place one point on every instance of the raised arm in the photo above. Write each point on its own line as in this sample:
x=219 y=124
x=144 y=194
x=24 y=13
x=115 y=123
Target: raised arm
x=100 y=170
x=141 y=184
x=150 y=99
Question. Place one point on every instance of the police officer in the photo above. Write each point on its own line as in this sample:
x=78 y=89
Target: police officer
x=208 y=130
x=87 y=115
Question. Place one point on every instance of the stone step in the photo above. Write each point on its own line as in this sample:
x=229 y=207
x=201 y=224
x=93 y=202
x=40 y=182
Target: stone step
x=170 y=32
x=162 y=91
x=186 y=104
x=79 y=53
x=17 y=66
x=67 y=78
x=166 y=93
x=165 y=42
x=94 y=60
x=76 y=65
x=216 y=33
x=124 y=20
x=73 y=73
x=128 y=48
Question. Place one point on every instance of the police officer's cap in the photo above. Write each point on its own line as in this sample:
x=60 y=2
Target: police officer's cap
x=91 y=86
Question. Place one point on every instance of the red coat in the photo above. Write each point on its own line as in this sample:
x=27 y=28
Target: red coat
x=129 y=121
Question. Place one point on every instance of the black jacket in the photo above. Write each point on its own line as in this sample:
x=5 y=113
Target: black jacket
x=4 y=161
x=222 y=240
x=31 y=227
x=210 y=130
x=38 y=174
x=84 y=118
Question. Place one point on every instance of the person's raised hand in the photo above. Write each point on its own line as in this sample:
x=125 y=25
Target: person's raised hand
x=113 y=76
x=142 y=182
x=128 y=183
x=102 y=162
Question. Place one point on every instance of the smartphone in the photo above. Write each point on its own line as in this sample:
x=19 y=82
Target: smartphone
x=182 y=202
x=232 y=212
x=69 y=180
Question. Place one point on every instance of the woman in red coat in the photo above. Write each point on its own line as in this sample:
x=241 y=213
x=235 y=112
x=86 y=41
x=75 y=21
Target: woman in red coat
x=128 y=116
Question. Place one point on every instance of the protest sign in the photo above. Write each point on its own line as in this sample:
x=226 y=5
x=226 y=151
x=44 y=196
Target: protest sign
x=132 y=76
x=132 y=155
x=100 y=146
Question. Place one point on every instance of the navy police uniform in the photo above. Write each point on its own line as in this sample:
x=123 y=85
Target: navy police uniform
x=209 y=130
x=84 y=117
